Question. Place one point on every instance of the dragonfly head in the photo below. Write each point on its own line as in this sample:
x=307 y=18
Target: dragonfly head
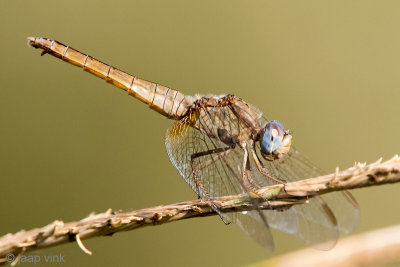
x=275 y=140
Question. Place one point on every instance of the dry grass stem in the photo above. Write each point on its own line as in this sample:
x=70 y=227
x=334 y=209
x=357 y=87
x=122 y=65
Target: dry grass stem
x=280 y=197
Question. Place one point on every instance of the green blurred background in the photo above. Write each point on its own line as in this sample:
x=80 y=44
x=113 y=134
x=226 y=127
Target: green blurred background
x=71 y=144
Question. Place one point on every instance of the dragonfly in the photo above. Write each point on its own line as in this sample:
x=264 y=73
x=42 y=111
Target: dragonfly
x=223 y=146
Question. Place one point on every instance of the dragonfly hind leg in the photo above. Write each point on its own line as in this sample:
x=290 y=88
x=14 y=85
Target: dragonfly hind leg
x=199 y=188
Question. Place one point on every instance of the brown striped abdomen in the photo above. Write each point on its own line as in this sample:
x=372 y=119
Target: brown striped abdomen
x=171 y=103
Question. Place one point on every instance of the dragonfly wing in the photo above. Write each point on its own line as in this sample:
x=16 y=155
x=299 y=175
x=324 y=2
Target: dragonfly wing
x=195 y=148
x=320 y=220
x=252 y=224
x=342 y=204
x=202 y=158
x=199 y=147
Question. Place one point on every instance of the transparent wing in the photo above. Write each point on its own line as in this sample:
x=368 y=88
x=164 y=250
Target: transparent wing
x=199 y=146
x=320 y=220
x=201 y=149
x=207 y=164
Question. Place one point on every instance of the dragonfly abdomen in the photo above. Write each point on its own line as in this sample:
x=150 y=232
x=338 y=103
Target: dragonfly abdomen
x=170 y=103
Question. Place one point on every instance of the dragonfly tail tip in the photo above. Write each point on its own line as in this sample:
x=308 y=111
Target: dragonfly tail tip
x=31 y=41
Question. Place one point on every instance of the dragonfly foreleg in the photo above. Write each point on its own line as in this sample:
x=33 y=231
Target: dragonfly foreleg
x=261 y=168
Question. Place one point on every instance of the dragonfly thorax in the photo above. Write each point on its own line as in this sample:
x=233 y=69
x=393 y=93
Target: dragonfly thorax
x=275 y=140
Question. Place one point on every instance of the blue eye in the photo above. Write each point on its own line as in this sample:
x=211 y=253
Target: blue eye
x=272 y=137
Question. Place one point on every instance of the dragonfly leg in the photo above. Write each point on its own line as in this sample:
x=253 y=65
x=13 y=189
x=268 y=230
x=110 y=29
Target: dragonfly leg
x=200 y=190
x=250 y=179
x=262 y=169
x=247 y=181
x=224 y=150
x=246 y=175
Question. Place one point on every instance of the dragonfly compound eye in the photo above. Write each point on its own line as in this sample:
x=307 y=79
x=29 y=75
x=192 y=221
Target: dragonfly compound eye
x=271 y=139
